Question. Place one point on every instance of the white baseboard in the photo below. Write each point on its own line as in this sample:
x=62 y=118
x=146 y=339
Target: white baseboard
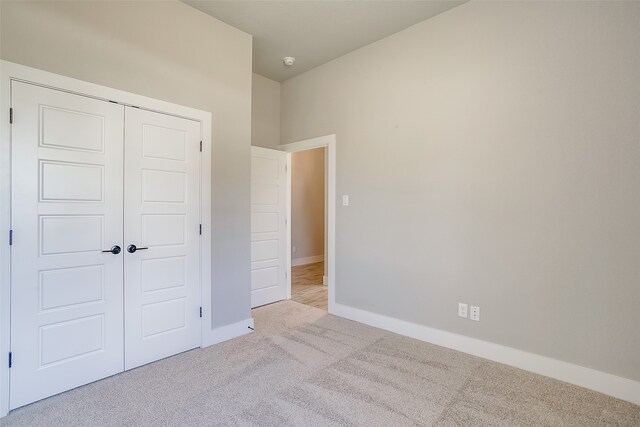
x=609 y=384
x=325 y=280
x=306 y=260
x=228 y=332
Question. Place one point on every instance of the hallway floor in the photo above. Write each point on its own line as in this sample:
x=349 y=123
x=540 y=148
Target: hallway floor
x=307 y=287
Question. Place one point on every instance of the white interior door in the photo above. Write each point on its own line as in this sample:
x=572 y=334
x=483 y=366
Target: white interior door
x=66 y=292
x=268 y=226
x=162 y=219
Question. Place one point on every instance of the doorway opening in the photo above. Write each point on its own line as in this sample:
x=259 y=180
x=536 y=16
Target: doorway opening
x=328 y=142
x=271 y=227
x=308 y=228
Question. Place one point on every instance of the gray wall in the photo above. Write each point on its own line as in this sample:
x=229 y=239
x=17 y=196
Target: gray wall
x=307 y=204
x=169 y=51
x=492 y=157
x=265 y=112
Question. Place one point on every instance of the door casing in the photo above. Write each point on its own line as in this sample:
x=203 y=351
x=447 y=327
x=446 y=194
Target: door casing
x=329 y=142
x=10 y=71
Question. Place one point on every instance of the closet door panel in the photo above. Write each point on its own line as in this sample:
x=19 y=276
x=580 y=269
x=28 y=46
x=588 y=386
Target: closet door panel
x=67 y=202
x=162 y=205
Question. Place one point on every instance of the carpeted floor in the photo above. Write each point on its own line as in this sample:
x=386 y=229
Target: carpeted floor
x=302 y=367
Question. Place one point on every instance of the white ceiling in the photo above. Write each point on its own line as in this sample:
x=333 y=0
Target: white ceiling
x=315 y=32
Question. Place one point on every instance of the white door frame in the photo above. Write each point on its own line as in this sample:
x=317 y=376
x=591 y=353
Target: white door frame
x=328 y=141
x=10 y=71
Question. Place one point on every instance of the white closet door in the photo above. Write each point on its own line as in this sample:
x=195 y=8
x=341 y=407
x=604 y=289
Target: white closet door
x=268 y=226
x=66 y=293
x=162 y=208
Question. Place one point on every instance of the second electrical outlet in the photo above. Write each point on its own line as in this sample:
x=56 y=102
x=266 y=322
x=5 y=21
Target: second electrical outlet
x=475 y=313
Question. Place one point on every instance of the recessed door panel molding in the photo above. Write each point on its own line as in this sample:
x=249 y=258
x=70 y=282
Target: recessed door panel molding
x=163 y=317
x=264 y=278
x=70 y=182
x=265 y=222
x=164 y=143
x=262 y=250
x=268 y=229
x=68 y=129
x=163 y=273
x=67 y=202
x=164 y=186
x=264 y=168
x=72 y=339
x=264 y=194
x=69 y=234
x=64 y=288
x=162 y=217
x=162 y=230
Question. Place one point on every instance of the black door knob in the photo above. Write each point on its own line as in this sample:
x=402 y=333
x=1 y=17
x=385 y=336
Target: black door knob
x=132 y=248
x=114 y=250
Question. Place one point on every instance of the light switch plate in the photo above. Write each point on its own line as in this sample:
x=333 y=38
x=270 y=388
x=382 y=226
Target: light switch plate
x=462 y=310
x=345 y=200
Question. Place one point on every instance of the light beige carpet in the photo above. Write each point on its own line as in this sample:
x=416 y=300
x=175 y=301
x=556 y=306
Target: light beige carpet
x=302 y=367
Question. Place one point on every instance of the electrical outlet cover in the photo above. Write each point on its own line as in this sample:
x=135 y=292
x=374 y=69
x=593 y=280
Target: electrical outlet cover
x=475 y=313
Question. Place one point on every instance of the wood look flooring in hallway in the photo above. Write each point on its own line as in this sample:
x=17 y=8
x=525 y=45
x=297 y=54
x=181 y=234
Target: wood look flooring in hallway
x=307 y=287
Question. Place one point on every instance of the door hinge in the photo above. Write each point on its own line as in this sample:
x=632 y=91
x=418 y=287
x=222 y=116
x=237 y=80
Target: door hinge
x=10 y=115
x=10 y=359
x=10 y=237
x=285 y=222
x=200 y=311
x=286 y=168
x=201 y=146
x=201 y=229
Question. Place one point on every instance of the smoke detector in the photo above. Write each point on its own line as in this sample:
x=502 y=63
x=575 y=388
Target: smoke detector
x=288 y=60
